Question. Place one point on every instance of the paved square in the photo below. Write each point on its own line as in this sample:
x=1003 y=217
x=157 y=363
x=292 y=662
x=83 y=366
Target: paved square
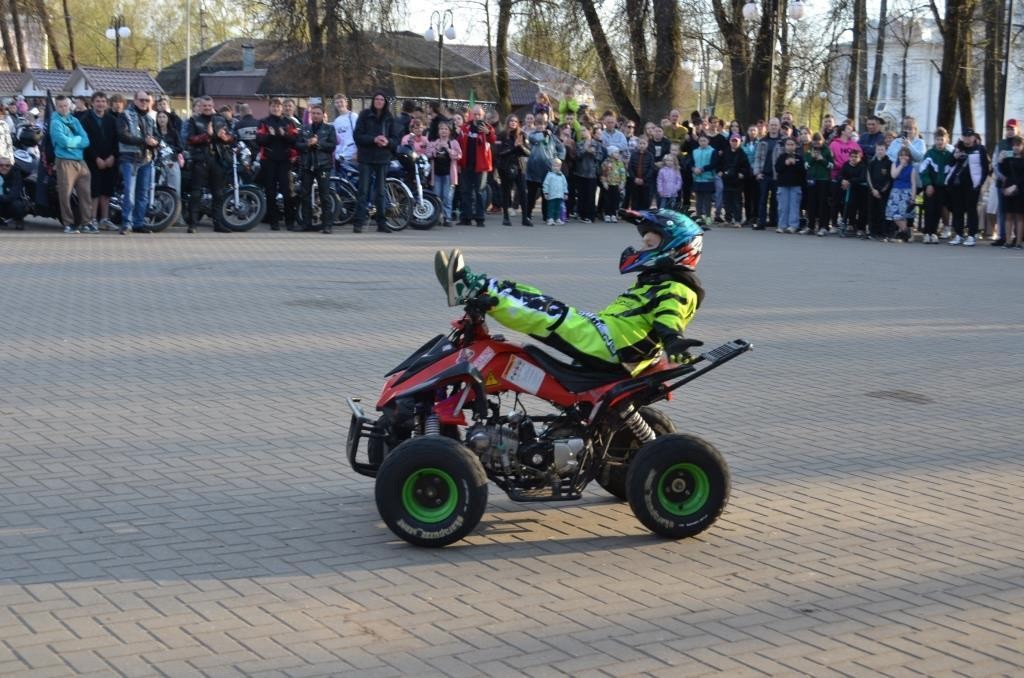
x=174 y=498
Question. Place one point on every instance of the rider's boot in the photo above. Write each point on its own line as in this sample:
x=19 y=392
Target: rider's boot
x=459 y=283
x=506 y=221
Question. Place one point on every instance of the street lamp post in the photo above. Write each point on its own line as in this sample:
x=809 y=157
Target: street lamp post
x=444 y=23
x=116 y=32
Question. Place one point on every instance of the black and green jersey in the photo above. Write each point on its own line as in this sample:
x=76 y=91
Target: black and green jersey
x=629 y=331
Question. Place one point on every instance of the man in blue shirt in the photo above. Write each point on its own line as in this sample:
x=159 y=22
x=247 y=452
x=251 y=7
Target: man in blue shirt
x=69 y=138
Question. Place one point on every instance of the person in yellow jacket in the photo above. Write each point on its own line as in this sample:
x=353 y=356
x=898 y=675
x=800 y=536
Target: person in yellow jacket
x=634 y=329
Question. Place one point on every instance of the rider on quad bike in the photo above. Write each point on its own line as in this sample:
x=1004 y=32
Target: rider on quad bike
x=631 y=331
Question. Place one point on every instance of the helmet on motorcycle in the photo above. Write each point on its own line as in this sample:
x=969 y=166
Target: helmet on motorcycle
x=682 y=241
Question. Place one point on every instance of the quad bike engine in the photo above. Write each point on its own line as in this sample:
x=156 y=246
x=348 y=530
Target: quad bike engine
x=514 y=449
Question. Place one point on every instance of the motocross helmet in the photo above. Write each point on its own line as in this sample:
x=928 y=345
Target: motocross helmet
x=681 y=241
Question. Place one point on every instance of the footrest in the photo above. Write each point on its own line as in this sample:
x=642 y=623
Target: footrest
x=727 y=351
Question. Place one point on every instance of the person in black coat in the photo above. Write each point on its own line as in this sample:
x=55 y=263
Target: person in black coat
x=12 y=203
x=734 y=169
x=101 y=155
x=376 y=141
x=316 y=142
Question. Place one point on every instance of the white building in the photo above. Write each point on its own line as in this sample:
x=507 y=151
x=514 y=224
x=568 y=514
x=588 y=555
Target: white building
x=913 y=51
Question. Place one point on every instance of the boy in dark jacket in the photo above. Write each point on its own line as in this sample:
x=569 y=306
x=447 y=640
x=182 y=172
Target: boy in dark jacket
x=276 y=136
x=853 y=191
x=733 y=168
x=933 y=173
x=641 y=175
x=879 y=184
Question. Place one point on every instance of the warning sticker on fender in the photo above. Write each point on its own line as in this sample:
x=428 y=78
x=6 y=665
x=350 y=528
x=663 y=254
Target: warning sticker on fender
x=526 y=376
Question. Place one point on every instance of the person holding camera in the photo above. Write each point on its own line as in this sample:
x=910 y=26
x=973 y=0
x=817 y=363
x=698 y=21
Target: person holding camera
x=316 y=142
x=475 y=138
x=910 y=138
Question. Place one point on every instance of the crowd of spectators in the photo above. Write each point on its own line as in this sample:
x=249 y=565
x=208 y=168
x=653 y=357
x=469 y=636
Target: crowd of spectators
x=579 y=164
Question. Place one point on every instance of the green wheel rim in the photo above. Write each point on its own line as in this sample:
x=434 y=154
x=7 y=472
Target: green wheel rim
x=430 y=495
x=683 y=489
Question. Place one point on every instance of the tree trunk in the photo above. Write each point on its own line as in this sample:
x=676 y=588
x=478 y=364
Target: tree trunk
x=51 y=37
x=737 y=51
x=876 y=75
x=862 y=63
x=903 y=83
x=763 y=64
x=502 y=86
x=664 y=81
x=995 y=13
x=316 y=41
x=19 y=37
x=851 y=81
x=636 y=24
x=782 y=77
x=616 y=86
x=10 y=53
x=71 y=36
x=966 y=102
x=955 y=30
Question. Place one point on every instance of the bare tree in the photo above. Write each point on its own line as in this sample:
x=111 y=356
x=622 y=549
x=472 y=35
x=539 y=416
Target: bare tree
x=955 y=29
x=71 y=35
x=10 y=52
x=43 y=12
x=19 y=37
x=876 y=74
x=616 y=84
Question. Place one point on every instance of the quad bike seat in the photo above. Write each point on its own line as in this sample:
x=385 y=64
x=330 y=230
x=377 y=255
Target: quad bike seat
x=575 y=377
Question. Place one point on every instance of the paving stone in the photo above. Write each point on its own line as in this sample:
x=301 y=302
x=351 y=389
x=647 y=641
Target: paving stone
x=175 y=498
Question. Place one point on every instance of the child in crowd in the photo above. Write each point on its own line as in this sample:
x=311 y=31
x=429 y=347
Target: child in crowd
x=670 y=182
x=790 y=174
x=879 y=185
x=1011 y=167
x=900 y=208
x=613 y=183
x=589 y=155
x=556 y=190
x=641 y=174
x=444 y=153
x=703 y=172
x=818 y=161
x=733 y=168
x=934 y=169
x=853 y=193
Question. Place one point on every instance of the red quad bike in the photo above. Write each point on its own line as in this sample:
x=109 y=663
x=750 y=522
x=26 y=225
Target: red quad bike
x=432 y=463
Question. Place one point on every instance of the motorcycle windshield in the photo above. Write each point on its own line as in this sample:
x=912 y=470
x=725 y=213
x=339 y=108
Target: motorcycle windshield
x=426 y=355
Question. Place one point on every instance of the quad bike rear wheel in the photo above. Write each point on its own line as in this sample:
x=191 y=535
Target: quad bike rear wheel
x=431 y=491
x=678 y=485
x=611 y=475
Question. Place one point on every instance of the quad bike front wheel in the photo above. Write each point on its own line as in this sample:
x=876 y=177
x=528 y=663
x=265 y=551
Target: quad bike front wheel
x=611 y=475
x=431 y=491
x=678 y=485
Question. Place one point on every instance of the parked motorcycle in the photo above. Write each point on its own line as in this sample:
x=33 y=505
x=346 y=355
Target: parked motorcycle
x=163 y=211
x=243 y=205
x=427 y=207
x=398 y=198
x=432 y=463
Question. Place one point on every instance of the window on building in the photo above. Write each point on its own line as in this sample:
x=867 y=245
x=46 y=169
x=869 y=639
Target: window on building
x=895 y=87
x=884 y=88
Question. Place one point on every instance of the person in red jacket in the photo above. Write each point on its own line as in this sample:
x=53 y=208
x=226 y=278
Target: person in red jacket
x=475 y=137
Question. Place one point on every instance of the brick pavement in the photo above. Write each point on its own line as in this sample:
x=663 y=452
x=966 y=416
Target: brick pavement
x=174 y=501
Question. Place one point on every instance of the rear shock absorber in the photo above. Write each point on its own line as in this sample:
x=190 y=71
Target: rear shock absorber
x=640 y=428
